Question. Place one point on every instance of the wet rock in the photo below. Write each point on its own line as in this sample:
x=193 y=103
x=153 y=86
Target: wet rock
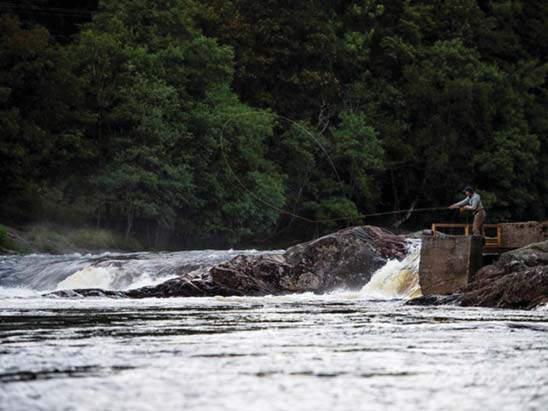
x=86 y=292
x=264 y=275
x=345 y=259
x=195 y=284
x=453 y=299
x=519 y=279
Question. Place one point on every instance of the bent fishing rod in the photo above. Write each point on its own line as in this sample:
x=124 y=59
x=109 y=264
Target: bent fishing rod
x=331 y=163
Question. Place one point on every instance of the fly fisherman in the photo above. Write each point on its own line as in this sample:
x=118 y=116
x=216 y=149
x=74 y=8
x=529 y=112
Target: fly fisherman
x=473 y=203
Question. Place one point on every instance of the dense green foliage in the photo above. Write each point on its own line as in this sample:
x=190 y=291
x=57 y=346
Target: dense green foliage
x=227 y=121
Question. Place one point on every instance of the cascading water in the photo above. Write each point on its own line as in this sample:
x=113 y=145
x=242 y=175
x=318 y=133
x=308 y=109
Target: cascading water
x=248 y=353
x=109 y=271
x=397 y=278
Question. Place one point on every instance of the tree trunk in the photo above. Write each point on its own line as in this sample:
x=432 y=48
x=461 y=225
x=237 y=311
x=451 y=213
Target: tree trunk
x=157 y=235
x=129 y=224
x=407 y=215
x=396 y=205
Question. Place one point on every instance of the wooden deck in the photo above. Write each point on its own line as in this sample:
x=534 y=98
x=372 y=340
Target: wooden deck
x=502 y=237
x=493 y=237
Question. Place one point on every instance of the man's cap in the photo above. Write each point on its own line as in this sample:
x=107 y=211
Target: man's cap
x=468 y=189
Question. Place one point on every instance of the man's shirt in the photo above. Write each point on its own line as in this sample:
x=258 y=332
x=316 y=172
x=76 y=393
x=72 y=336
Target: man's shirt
x=473 y=201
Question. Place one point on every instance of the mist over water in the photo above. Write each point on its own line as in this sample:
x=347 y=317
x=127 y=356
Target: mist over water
x=346 y=350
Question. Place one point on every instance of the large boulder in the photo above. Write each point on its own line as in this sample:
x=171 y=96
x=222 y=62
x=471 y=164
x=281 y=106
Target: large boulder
x=344 y=259
x=347 y=258
x=519 y=279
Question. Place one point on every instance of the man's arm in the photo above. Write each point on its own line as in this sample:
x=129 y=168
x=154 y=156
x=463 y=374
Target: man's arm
x=460 y=203
x=474 y=203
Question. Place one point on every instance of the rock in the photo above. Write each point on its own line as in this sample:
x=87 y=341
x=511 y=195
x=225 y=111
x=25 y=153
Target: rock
x=453 y=299
x=86 y=292
x=345 y=259
x=519 y=279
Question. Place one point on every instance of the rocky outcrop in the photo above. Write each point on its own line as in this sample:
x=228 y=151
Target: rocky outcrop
x=518 y=279
x=345 y=259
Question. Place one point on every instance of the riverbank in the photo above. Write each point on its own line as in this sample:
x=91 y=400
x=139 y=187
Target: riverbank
x=56 y=239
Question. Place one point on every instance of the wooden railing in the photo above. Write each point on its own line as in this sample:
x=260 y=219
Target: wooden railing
x=493 y=237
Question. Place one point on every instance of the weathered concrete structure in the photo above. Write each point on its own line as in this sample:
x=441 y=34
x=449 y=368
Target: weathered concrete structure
x=517 y=235
x=448 y=264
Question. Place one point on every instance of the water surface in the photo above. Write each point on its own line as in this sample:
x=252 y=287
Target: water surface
x=304 y=352
x=342 y=351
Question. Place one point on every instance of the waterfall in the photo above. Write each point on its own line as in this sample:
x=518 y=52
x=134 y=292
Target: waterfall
x=118 y=271
x=108 y=271
x=397 y=278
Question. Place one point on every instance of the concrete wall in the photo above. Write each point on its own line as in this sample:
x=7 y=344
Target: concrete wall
x=448 y=264
x=516 y=235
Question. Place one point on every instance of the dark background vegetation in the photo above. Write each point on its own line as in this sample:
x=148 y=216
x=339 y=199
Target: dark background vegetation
x=123 y=114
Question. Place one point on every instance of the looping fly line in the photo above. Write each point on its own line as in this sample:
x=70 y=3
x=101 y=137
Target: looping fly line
x=331 y=163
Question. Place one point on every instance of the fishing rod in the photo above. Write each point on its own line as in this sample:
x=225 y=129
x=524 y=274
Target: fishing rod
x=383 y=213
x=331 y=163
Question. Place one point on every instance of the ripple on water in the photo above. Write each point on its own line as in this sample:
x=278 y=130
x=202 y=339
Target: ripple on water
x=310 y=352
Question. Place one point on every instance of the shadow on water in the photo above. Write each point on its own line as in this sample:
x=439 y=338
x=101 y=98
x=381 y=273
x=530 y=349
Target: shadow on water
x=70 y=372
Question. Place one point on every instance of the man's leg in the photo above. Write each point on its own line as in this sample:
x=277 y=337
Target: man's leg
x=477 y=226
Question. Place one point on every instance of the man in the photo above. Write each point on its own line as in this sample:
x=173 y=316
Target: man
x=473 y=203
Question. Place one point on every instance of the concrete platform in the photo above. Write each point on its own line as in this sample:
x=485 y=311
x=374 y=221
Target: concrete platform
x=517 y=235
x=448 y=264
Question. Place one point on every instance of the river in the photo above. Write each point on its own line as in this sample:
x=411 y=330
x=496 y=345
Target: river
x=347 y=350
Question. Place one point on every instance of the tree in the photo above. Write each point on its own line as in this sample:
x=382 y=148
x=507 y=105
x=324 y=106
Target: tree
x=42 y=133
x=218 y=123
x=160 y=97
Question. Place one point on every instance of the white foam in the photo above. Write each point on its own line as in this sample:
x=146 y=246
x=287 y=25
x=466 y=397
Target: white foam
x=16 y=292
x=397 y=278
x=542 y=307
x=146 y=280
x=110 y=271
x=90 y=277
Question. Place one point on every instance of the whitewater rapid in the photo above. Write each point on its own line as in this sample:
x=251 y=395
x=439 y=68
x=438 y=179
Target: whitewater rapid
x=397 y=279
x=38 y=273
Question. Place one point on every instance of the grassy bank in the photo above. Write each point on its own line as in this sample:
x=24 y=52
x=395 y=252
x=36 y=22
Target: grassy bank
x=55 y=239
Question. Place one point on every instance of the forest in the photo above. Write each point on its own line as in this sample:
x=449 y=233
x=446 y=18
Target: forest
x=216 y=123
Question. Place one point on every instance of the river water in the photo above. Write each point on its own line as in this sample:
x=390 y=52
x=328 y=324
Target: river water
x=346 y=350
